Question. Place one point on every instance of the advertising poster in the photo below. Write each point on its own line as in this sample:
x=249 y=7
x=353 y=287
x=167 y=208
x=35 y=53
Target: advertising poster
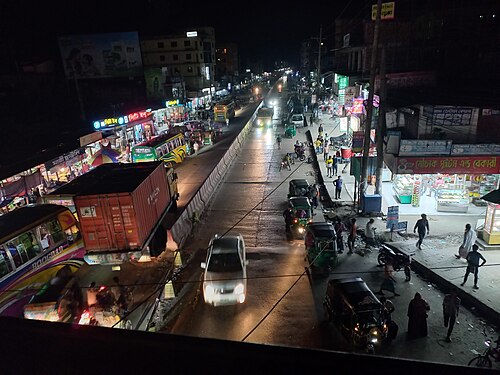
x=357 y=141
x=154 y=83
x=101 y=55
x=392 y=217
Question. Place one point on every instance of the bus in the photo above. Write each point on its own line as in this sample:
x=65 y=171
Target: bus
x=36 y=241
x=169 y=147
x=224 y=111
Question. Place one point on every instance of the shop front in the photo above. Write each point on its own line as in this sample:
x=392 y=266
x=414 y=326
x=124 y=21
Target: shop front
x=434 y=185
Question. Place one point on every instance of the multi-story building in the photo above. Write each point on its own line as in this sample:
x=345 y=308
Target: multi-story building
x=227 y=63
x=186 y=61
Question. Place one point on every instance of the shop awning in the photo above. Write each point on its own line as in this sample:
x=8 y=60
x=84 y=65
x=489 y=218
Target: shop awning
x=492 y=196
x=104 y=155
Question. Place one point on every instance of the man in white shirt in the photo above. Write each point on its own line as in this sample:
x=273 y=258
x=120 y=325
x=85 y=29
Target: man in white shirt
x=370 y=233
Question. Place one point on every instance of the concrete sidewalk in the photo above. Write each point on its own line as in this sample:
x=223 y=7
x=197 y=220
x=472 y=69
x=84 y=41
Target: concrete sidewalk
x=436 y=261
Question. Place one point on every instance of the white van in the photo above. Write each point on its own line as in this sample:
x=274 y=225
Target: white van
x=225 y=277
x=297 y=119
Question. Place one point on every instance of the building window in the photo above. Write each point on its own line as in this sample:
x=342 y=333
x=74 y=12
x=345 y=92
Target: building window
x=201 y=56
x=188 y=56
x=175 y=57
x=162 y=57
x=161 y=45
x=190 y=69
x=173 y=44
x=187 y=43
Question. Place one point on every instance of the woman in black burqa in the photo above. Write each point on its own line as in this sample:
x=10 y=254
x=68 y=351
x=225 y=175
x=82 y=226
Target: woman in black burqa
x=417 y=317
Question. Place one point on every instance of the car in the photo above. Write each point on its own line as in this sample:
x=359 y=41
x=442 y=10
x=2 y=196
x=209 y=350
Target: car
x=225 y=275
x=297 y=119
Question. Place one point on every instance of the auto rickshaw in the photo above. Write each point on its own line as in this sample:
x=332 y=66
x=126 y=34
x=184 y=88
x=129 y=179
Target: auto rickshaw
x=357 y=312
x=302 y=215
x=290 y=130
x=208 y=136
x=197 y=136
x=298 y=188
x=321 y=248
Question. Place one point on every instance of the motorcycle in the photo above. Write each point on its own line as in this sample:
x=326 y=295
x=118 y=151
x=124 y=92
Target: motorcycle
x=285 y=164
x=397 y=259
x=484 y=360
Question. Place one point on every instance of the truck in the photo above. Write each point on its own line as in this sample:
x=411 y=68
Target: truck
x=264 y=116
x=119 y=208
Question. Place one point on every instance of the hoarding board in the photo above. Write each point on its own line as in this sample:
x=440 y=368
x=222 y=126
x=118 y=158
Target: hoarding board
x=392 y=216
x=387 y=13
x=101 y=55
x=358 y=141
x=480 y=149
x=415 y=147
x=450 y=164
x=441 y=115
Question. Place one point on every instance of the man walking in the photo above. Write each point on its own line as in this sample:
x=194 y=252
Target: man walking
x=326 y=150
x=451 y=305
x=473 y=265
x=422 y=225
x=329 y=166
x=287 y=214
x=338 y=187
x=353 y=231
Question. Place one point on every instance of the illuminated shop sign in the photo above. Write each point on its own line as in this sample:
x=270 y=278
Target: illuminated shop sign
x=173 y=103
x=465 y=164
x=122 y=120
x=191 y=34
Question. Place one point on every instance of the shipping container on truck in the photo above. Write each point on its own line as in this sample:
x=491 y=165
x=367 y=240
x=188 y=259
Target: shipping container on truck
x=120 y=207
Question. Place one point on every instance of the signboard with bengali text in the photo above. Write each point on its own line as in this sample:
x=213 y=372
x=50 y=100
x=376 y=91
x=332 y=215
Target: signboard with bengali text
x=416 y=147
x=450 y=164
x=387 y=13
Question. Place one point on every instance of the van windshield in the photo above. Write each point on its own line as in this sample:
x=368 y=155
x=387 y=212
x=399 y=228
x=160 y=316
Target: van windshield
x=225 y=262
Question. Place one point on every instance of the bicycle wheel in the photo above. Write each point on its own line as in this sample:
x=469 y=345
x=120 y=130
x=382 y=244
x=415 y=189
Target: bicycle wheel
x=480 y=361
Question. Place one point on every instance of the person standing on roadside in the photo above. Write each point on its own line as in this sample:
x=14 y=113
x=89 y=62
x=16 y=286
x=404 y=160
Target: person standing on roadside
x=329 y=166
x=451 y=305
x=473 y=265
x=287 y=214
x=422 y=225
x=338 y=187
x=469 y=240
x=339 y=228
x=353 y=232
x=370 y=233
x=326 y=150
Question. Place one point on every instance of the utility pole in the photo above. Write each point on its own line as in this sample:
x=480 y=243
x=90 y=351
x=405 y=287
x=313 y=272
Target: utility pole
x=319 y=57
x=381 y=123
x=369 y=111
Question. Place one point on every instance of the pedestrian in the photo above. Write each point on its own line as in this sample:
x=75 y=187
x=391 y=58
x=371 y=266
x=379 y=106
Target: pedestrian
x=278 y=141
x=196 y=147
x=338 y=187
x=451 y=305
x=339 y=228
x=121 y=294
x=351 y=238
x=329 y=167
x=335 y=165
x=469 y=240
x=473 y=265
x=422 y=225
x=312 y=194
x=389 y=283
x=320 y=130
x=370 y=233
x=317 y=145
x=287 y=214
x=92 y=294
x=387 y=308
x=326 y=149
x=417 y=317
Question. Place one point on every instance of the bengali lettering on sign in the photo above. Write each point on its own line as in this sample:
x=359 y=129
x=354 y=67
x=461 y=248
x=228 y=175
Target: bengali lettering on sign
x=464 y=164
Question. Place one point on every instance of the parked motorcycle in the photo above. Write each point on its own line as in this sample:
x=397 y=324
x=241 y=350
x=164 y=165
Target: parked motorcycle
x=397 y=259
x=285 y=164
x=484 y=360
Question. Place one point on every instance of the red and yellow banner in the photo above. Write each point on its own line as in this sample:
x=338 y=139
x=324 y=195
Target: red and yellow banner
x=460 y=164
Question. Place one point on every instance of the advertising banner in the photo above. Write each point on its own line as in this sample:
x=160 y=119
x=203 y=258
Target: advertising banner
x=358 y=141
x=65 y=158
x=480 y=149
x=415 y=147
x=387 y=13
x=154 y=83
x=101 y=55
x=442 y=115
x=392 y=216
x=457 y=164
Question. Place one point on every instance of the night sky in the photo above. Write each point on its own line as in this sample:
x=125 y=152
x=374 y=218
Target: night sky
x=264 y=31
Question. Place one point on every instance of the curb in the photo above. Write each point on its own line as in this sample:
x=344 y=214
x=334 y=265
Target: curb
x=468 y=300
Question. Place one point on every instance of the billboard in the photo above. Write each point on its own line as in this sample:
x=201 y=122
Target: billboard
x=101 y=55
x=154 y=83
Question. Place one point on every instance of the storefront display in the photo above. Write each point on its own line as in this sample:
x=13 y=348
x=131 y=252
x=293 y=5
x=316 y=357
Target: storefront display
x=452 y=200
x=491 y=233
x=403 y=186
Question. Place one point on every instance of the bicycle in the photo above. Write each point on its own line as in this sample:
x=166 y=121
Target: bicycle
x=484 y=360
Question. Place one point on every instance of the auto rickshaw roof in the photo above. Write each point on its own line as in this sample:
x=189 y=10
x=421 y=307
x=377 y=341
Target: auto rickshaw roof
x=299 y=201
x=299 y=183
x=322 y=230
x=356 y=293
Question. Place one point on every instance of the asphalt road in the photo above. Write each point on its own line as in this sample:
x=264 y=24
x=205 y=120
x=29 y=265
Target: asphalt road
x=283 y=306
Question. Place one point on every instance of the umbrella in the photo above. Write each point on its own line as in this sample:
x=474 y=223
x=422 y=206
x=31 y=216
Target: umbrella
x=104 y=155
x=492 y=196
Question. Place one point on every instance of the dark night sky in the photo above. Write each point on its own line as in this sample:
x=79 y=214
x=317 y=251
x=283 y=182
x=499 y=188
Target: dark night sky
x=264 y=31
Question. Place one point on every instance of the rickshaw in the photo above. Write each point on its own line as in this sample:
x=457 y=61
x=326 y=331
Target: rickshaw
x=298 y=188
x=321 y=248
x=208 y=136
x=301 y=214
x=197 y=136
x=357 y=312
x=290 y=130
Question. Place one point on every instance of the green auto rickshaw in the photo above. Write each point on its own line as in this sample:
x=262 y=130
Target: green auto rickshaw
x=298 y=188
x=290 y=130
x=301 y=215
x=321 y=248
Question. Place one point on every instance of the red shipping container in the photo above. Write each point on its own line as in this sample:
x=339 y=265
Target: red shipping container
x=123 y=205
